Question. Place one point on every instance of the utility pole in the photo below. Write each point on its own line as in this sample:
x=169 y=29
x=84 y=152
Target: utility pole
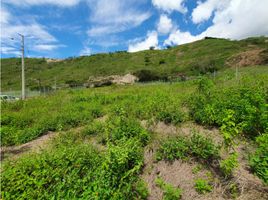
x=22 y=68
x=236 y=72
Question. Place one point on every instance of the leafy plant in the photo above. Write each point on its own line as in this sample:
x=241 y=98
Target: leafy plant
x=202 y=186
x=259 y=159
x=141 y=188
x=173 y=148
x=229 y=129
x=170 y=192
x=181 y=148
x=93 y=128
x=228 y=165
x=202 y=147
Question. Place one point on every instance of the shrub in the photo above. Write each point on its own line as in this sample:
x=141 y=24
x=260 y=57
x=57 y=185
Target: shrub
x=148 y=75
x=204 y=148
x=141 y=188
x=123 y=127
x=94 y=128
x=169 y=115
x=170 y=192
x=259 y=159
x=197 y=146
x=173 y=148
x=63 y=173
x=119 y=171
x=239 y=109
x=202 y=186
x=228 y=165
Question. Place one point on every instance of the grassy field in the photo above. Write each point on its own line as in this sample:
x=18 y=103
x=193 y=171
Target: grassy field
x=114 y=142
x=199 y=57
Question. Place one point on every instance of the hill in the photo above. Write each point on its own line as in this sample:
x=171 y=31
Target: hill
x=207 y=55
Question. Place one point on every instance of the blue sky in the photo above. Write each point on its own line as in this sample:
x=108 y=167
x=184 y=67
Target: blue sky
x=64 y=28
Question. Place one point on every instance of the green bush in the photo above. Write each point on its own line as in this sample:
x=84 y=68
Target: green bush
x=173 y=148
x=247 y=101
x=259 y=159
x=73 y=170
x=170 y=192
x=141 y=188
x=202 y=186
x=119 y=171
x=203 y=148
x=148 y=75
x=170 y=115
x=94 y=128
x=63 y=173
x=123 y=127
x=181 y=148
x=228 y=165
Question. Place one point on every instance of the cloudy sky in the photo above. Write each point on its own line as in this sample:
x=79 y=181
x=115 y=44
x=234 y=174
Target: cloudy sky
x=64 y=28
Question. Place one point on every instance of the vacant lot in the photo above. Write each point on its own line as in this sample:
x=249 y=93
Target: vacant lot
x=205 y=138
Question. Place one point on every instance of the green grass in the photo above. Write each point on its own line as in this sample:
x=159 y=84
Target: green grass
x=170 y=192
x=74 y=168
x=23 y=121
x=197 y=146
x=190 y=59
x=202 y=186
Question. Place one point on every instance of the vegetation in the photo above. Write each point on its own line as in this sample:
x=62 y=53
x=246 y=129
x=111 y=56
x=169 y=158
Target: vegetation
x=202 y=186
x=200 y=57
x=170 y=192
x=228 y=165
x=197 y=146
x=259 y=160
x=74 y=167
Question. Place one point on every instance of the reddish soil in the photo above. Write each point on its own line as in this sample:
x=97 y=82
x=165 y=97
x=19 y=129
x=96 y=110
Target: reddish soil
x=247 y=58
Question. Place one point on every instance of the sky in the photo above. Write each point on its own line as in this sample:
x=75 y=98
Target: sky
x=68 y=28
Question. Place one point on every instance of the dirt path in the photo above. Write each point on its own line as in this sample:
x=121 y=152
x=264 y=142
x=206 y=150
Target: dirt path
x=34 y=145
x=40 y=143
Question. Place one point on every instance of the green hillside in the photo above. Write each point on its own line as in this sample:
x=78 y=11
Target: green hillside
x=198 y=57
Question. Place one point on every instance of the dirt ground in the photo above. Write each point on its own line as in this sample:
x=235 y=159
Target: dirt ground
x=247 y=58
x=179 y=173
x=34 y=145
x=182 y=174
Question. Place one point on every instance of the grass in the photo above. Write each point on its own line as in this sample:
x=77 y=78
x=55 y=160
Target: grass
x=202 y=186
x=170 y=192
x=23 y=121
x=73 y=168
x=190 y=59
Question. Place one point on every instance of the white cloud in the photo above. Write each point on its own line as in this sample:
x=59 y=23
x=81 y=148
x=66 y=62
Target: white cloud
x=240 y=19
x=236 y=20
x=150 y=41
x=4 y=16
x=115 y=16
x=42 y=2
x=165 y=25
x=177 y=37
x=37 y=38
x=85 y=52
x=46 y=47
x=205 y=9
x=170 y=5
x=9 y=50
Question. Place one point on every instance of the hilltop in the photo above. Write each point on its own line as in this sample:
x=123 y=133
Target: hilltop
x=200 y=57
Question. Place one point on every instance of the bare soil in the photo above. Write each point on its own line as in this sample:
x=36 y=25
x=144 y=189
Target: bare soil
x=248 y=58
x=33 y=146
x=181 y=174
